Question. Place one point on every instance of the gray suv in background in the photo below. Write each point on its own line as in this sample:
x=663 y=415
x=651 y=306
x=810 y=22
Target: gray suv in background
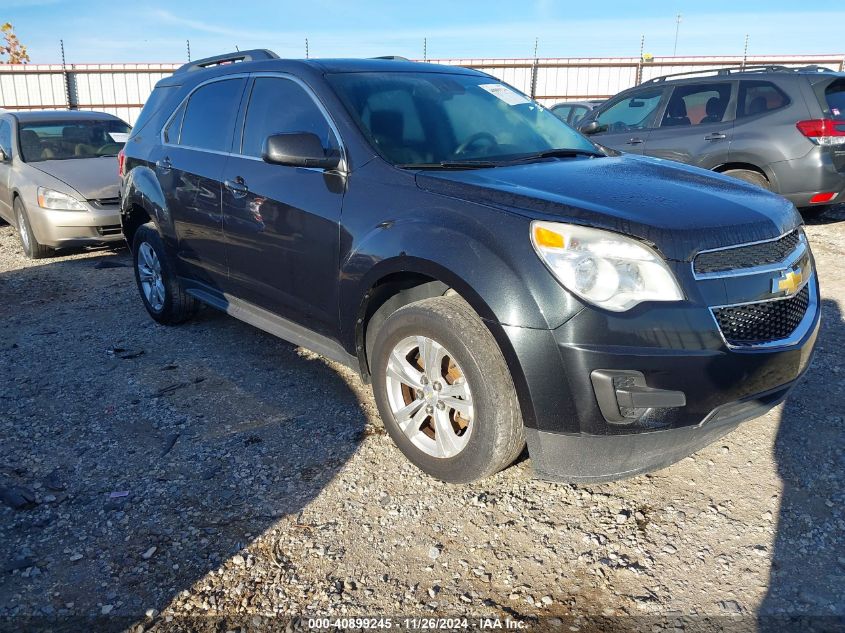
x=780 y=128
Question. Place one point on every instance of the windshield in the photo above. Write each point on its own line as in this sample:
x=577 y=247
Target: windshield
x=432 y=118
x=61 y=140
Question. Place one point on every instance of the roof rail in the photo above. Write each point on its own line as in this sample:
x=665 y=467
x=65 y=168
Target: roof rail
x=723 y=72
x=396 y=58
x=227 y=58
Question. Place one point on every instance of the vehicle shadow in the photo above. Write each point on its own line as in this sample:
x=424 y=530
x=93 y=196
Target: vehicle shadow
x=830 y=215
x=155 y=455
x=807 y=575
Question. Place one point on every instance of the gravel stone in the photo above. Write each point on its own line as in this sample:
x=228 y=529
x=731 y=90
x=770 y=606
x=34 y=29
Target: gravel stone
x=261 y=482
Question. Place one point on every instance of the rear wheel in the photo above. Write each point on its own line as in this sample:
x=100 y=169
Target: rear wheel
x=30 y=245
x=161 y=291
x=753 y=177
x=444 y=391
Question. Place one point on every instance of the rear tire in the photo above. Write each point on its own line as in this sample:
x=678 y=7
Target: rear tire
x=749 y=176
x=163 y=294
x=456 y=417
x=31 y=247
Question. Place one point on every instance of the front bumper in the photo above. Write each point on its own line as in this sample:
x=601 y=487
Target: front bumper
x=65 y=229
x=677 y=348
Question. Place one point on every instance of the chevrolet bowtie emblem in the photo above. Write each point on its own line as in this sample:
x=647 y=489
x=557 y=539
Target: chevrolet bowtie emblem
x=788 y=281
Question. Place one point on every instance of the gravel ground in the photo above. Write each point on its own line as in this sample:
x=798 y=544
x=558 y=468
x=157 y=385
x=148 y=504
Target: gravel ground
x=211 y=469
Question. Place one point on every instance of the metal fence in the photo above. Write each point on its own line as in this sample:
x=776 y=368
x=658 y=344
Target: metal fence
x=122 y=89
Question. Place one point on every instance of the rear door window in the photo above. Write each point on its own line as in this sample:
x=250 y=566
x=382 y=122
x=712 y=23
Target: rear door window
x=634 y=112
x=835 y=96
x=697 y=104
x=210 y=115
x=757 y=97
x=278 y=106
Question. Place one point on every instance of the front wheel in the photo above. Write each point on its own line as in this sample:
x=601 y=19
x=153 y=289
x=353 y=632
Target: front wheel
x=444 y=391
x=31 y=247
x=161 y=291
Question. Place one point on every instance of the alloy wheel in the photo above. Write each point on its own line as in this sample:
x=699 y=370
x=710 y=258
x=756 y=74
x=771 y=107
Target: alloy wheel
x=149 y=274
x=429 y=396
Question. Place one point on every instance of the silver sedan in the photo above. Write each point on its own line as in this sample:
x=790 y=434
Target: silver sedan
x=58 y=178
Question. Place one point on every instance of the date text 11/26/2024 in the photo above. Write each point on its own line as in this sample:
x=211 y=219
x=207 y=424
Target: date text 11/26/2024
x=417 y=624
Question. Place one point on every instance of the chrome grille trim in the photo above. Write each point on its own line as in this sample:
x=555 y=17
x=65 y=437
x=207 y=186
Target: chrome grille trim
x=792 y=256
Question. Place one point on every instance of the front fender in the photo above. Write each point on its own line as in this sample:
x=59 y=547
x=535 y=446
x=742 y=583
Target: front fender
x=141 y=188
x=486 y=257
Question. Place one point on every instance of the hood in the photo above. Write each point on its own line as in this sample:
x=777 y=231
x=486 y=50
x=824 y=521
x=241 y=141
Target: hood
x=93 y=178
x=679 y=209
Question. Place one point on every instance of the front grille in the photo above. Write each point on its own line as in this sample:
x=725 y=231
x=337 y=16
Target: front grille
x=749 y=256
x=105 y=202
x=762 y=322
x=112 y=229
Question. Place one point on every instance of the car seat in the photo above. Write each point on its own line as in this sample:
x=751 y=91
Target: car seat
x=31 y=146
x=676 y=113
x=757 y=106
x=715 y=110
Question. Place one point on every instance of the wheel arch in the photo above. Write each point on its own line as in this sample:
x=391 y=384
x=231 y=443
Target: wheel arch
x=767 y=174
x=394 y=288
x=142 y=201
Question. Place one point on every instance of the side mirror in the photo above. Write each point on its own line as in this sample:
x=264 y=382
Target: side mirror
x=300 y=149
x=590 y=127
x=4 y=157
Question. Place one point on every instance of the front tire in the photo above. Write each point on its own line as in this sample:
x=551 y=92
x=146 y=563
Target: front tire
x=31 y=247
x=444 y=391
x=161 y=291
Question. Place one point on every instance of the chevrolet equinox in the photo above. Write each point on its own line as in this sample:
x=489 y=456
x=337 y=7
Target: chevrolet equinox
x=498 y=278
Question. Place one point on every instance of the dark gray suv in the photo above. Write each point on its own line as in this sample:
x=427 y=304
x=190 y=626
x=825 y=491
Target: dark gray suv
x=780 y=128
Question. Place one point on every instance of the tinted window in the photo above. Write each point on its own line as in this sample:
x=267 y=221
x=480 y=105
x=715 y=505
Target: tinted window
x=696 y=104
x=171 y=132
x=6 y=137
x=210 y=115
x=280 y=106
x=153 y=105
x=756 y=97
x=426 y=118
x=835 y=95
x=631 y=113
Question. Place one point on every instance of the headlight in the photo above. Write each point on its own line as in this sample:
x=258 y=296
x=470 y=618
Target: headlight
x=58 y=201
x=604 y=268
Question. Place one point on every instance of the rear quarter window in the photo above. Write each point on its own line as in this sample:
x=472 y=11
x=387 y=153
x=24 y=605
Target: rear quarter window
x=834 y=96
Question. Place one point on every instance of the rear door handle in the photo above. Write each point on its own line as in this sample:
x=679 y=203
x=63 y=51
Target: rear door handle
x=164 y=164
x=634 y=141
x=715 y=136
x=237 y=187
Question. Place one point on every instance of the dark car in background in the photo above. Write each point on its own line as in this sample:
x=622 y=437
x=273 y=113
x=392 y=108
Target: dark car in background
x=58 y=178
x=496 y=277
x=780 y=128
x=572 y=112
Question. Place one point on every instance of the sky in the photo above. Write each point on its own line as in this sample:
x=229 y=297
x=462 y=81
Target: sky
x=98 y=31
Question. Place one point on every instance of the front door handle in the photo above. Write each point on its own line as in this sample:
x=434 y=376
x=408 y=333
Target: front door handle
x=237 y=187
x=634 y=141
x=164 y=164
x=715 y=136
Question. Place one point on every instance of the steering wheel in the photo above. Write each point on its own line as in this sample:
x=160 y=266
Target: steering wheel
x=488 y=138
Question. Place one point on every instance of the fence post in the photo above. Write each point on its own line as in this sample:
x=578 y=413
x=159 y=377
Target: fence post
x=69 y=81
x=639 y=78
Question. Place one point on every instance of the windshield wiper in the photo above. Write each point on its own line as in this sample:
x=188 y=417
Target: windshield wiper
x=558 y=153
x=452 y=164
